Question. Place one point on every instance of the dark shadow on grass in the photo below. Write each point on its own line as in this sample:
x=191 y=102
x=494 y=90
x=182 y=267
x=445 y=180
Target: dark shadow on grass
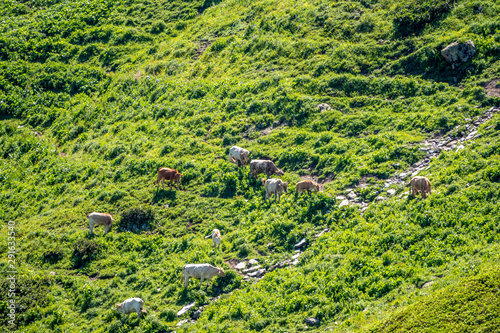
x=161 y=195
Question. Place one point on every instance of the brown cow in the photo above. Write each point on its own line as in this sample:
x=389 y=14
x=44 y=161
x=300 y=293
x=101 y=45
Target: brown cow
x=168 y=174
x=306 y=185
x=419 y=184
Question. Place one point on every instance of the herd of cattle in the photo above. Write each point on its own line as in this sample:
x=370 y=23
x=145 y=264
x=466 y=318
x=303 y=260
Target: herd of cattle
x=273 y=186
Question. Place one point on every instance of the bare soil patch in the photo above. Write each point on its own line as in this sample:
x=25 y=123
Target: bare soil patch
x=492 y=88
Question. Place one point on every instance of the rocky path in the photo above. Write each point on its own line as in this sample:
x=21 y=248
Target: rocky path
x=432 y=148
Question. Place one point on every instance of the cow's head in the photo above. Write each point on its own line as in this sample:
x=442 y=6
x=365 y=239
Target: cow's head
x=316 y=186
x=119 y=307
x=178 y=177
x=220 y=272
x=280 y=172
x=285 y=187
x=245 y=155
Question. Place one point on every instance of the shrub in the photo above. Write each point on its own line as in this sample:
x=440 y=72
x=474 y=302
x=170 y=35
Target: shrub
x=53 y=255
x=137 y=219
x=84 y=250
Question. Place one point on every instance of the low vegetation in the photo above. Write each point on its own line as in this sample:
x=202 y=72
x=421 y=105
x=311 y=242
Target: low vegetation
x=96 y=95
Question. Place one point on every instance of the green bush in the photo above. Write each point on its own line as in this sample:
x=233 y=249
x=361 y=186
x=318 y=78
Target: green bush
x=137 y=219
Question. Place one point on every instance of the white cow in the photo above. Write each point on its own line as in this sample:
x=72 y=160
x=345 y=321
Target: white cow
x=104 y=219
x=238 y=155
x=200 y=271
x=276 y=187
x=215 y=238
x=129 y=306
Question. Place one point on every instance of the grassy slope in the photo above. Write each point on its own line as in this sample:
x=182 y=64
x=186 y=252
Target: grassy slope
x=68 y=72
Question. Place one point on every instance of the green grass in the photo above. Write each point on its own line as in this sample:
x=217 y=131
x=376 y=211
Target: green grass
x=96 y=95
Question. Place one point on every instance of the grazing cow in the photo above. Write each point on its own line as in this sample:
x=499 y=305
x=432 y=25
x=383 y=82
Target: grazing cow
x=264 y=166
x=104 y=219
x=131 y=305
x=168 y=174
x=419 y=184
x=238 y=155
x=215 y=238
x=276 y=187
x=306 y=185
x=200 y=271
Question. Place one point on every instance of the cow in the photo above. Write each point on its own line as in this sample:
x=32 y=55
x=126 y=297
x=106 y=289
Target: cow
x=276 y=187
x=215 y=238
x=306 y=185
x=238 y=155
x=168 y=174
x=419 y=184
x=129 y=306
x=104 y=219
x=264 y=166
x=200 y=271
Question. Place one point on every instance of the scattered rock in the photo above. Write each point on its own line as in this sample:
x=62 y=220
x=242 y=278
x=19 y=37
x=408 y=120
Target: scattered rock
x=241 y=265
x=184 y=310
x=295 y=256
x=344 y=202
x=258 y=273
x=253 y=261
x=321 y=233
x=340 y=197
x=196 y=314
x=311 y=321
x=458 y=52
x=251 y=269
x=391 y=192
x=300 y=244
x=52 y=273
x=351 y=195
x=323 y=107
x=380 y=198
x=428 y=284
x=182 y=322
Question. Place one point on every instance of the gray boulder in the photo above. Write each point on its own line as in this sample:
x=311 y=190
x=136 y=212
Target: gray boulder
x=311 y=321
x=456 y=53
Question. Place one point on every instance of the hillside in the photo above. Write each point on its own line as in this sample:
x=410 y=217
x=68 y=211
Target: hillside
x=96 y=95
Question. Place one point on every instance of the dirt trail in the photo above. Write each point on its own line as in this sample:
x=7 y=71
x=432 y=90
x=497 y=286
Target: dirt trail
x=432 y=147
x=493 y=88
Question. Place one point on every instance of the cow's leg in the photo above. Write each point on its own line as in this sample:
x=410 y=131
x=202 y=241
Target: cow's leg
x=91 y=227
x=275 y=196
x=163 y=183
x=201 y=280
x=186 y=281
x=128 y=316
x=106 y=228
x=139 y=313
x=208 y=282
x=123 y=315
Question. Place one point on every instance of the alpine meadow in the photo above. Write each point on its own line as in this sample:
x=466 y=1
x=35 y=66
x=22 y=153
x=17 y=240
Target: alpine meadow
x=352 y=98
